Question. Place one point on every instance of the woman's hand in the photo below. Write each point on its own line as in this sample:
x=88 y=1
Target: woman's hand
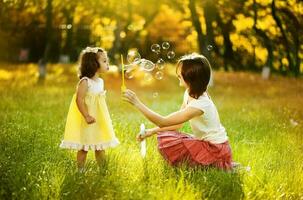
x=89 y=119
x=131 y=97
x=148 y=133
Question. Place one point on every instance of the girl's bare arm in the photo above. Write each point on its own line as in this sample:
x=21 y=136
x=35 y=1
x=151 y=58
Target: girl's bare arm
x=80 y=96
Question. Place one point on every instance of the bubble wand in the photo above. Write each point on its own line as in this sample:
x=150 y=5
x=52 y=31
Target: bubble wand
x=143 y=143
x=123 y=87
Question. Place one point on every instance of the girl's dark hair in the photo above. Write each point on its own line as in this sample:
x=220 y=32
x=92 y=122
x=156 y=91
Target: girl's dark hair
x=195 y=70
x=89 y=64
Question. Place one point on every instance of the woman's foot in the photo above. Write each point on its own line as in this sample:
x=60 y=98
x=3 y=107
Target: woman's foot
x=238 y=167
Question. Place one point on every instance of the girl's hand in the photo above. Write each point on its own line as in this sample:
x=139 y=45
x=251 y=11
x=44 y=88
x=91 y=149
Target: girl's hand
x=131 y=97
x=148 y=133
x=89 y=119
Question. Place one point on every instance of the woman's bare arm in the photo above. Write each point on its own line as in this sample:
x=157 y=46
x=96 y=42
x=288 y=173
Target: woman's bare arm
x=174 y=118
x=169 y=128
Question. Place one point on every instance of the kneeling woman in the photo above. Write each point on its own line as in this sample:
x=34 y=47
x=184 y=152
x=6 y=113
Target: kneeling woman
x=208 y=145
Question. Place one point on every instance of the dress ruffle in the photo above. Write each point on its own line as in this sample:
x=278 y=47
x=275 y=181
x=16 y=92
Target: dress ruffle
x=86 y=147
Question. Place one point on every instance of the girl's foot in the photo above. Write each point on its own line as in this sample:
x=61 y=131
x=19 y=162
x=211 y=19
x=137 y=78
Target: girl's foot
x=100 y=157
x=81 y=170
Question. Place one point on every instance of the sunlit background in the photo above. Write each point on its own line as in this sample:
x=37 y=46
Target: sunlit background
x=255 y=48
x=241 y=35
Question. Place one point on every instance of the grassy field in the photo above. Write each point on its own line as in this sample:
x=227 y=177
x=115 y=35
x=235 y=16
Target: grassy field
x=264 y=120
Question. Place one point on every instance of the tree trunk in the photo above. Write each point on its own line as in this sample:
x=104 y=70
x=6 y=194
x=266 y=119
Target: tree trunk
x=284 y=38
x=296 y=39
x=197 y=24
x=49 y=31
x=68 y=46
x=228 y=54
x=117 y=42
x=46 y=55
x=209 y=18
x=265 y=39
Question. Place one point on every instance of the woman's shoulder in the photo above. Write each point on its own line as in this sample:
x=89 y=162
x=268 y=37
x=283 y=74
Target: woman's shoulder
x=204 y=97
x=202 y=102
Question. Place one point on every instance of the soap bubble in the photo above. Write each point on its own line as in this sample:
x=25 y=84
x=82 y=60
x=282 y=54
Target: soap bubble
x=147 y=65
x=170 y=55
x=133 y=56
x=156 y=48
x=133 y=66
x=155 y=94
x=159 y=75
x=130 y=67
x=165 y=45
x=160 y=64
x=148 y=77
x=129 y=74
x=210 y=47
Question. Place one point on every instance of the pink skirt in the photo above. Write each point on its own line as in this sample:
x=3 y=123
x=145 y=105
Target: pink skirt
x=178 y=148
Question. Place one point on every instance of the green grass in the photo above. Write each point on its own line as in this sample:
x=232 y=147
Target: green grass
x=257 y=115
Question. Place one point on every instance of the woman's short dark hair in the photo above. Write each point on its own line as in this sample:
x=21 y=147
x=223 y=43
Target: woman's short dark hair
x=89 y=64
x=195 y=70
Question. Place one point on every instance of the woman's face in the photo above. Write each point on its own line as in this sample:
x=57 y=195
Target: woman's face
x=181 y=80
x=103 y=61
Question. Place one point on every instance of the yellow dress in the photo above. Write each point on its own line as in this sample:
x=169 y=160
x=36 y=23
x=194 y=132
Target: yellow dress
x=97 y=136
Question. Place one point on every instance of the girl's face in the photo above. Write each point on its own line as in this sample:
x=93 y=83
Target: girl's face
x=181 y=80
x=103 y=61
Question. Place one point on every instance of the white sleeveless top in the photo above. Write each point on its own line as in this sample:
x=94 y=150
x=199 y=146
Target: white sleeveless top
x=94 y=86
x=206 y=126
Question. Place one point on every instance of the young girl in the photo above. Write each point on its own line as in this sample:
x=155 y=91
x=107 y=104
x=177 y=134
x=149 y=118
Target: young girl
x=208 y=146
x=88 y=124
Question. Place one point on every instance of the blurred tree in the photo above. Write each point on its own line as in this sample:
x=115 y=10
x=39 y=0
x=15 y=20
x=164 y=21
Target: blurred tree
x=267 y=42
x=68 y=11
x=289 y=33
x=48 y=30
x=167 y=26
x=244 y=34
x=197 y=24
x=226 y=14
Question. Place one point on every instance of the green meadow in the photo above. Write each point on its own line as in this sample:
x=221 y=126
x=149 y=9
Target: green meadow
x=263 y=119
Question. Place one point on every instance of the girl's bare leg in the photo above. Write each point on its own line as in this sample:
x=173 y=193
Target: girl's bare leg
x=81 y=158
x=100 y=156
